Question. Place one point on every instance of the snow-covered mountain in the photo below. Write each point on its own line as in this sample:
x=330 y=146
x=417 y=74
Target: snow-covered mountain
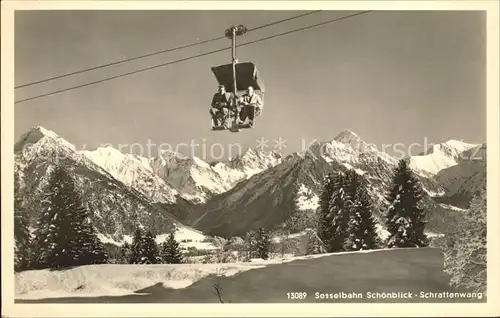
x=441 y=156
x=171 y=175
x=256 y=189
x=135 y=172
x=266 y=199
x=465 y=179
x=198 y=180
x=254 y=161
x=116 y=207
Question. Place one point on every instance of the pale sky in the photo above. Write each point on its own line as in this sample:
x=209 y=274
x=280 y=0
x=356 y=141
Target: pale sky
x=391 y=77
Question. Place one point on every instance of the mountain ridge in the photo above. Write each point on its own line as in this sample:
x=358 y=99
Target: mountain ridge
x=260 y=188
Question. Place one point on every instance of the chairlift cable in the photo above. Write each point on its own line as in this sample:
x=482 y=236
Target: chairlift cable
x=159 y=52
x=190 y=57
x=284 y=20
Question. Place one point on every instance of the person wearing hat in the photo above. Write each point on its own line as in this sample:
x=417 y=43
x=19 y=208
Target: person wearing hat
x=221 y=102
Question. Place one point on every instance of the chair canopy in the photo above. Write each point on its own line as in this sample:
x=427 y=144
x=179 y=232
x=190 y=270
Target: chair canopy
x=246 y=75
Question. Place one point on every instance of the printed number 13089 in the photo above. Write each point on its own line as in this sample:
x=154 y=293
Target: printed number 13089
x=302 y=295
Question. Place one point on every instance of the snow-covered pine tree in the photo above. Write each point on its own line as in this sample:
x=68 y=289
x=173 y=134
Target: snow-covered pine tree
x=41 y=242
x=89 y=249
x=250 y=245
x=69 y=239
x=325 y=217
x=405 y=219
x=53 y=233
x=22 y=236
x=340 y=213
x=125 y=253
x=296 y=221
x=465 y=258
x=171 y=251
x=136 y=250
x=151 y=252
x=283 y=245
x=362 y=234
x=314 y=244
x=263 y=243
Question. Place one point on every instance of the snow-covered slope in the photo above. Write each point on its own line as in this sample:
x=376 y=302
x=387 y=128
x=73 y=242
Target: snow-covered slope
x=134 y=171
x=116 y=208
x=465 y=179
x=440 y=156
x=114 y=279
x=306 y=199
x=119 y=279
x=391 y=270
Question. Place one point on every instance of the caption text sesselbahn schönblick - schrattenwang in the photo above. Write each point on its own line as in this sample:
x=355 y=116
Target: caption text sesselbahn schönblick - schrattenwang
x=383 y=295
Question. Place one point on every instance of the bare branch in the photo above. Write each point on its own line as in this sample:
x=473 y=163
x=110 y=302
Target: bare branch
x=216 y=284
x=483 y=265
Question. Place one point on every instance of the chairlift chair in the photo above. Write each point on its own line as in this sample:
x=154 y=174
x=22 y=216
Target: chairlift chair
x=236 y=78
x=246 y=75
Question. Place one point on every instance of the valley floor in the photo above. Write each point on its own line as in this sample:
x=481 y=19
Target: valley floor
x=416 y=271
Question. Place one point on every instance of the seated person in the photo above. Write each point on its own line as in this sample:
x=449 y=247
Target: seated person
x=221 y=102
x=251 y=104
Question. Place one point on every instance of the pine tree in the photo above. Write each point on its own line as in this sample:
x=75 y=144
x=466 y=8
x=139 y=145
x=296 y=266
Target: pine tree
x=465 y=259
x=22 y=236
x=297 y=221
x=53 y=232
x=283 y=245
x=340 y=213
x=262 y=243
x=90 y=249
x=251 y=245
x=405 y=218
x=41 y=242
x=125 y=253
x=64 y=233
x=314 y=244
x=362 y=234
x=171 y=251
x=151 y=252
x=325 y=217
x=137 y=251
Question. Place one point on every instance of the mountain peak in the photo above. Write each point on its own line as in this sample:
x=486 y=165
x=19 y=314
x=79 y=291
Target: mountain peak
x=103 y=156
x=38 y=133
x=253 y=161
x=347 y=136
x=351 y=139
x=451 y=147
x=42 y=132
x=171 y=155
x=459 y=144
x=444 y=155
x=252 y=152
x=249 y=152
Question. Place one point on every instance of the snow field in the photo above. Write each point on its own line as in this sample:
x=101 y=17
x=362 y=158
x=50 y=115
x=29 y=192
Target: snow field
x=119 y=280
x=114 y=279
